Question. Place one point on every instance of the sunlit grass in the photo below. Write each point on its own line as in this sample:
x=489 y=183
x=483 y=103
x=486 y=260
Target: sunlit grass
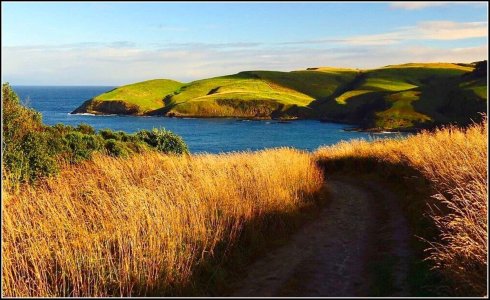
x=431 y=66
x=148 y=95
x=387 y=85
x=145 y=223
x=342 y=99
x=454 y=162
x=401 y=113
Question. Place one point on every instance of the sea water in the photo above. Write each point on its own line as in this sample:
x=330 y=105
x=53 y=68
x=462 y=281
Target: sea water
x=212 y=135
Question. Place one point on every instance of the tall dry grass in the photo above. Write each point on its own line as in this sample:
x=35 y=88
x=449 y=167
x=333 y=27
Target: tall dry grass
x=143 y=224
x=454 y=162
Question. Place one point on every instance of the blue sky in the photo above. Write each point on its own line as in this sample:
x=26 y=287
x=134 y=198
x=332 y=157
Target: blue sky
x=117 y=42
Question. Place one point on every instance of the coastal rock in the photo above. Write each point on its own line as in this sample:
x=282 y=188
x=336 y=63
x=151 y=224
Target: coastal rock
x=115 y=107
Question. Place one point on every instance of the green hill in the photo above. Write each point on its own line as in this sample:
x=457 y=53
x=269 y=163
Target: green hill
x=408 y=96
x=393 y=97
x=137 y=98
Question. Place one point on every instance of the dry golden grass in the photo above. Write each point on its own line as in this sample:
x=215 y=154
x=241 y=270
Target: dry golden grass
x=454 y=161
x=143 y=224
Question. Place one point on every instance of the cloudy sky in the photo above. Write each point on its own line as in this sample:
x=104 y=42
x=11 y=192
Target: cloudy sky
x=118 y=43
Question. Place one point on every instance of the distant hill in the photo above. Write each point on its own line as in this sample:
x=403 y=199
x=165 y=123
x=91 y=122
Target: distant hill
x=395 y=97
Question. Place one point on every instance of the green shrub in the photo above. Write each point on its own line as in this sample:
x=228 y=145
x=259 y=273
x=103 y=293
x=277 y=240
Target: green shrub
x=19 y=140
x=39 y=153
x=108 y=134
x=32 y=150
x=85 y=128
x=124 y=137
x=61 y=129
x=116 y=148
x=82 y=145
x=31 y=159
x=163 y=140
x=137 y=147
x=18 y=120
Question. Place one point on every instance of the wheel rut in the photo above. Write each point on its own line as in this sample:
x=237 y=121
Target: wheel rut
x=357 y=246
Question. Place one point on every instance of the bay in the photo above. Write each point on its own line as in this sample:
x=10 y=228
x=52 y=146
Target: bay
x=214 y=135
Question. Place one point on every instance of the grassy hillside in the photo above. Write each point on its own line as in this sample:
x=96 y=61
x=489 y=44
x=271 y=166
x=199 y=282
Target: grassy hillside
x=393 y=97
x=137 y=98
x=147 y=94
x=260 y=94
x=232 y=95
x=410 y=95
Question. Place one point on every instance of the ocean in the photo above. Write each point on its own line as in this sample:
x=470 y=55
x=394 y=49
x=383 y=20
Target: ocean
x=201 y=135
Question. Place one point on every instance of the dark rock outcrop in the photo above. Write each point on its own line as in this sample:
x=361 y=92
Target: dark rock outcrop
x=115 y=107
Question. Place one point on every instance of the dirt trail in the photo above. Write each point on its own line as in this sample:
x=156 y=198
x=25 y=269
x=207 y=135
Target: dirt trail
x=358 y=246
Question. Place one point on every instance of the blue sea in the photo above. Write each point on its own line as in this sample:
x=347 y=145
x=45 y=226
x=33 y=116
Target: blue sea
x=201 y=135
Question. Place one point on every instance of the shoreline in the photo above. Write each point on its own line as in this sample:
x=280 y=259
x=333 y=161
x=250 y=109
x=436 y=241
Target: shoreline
x=278 y=120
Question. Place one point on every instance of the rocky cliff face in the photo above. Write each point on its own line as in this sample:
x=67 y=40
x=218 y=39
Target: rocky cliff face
x=115 y=107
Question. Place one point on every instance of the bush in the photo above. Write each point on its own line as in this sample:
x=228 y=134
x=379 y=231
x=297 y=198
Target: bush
x=137 y=147
x=17 y=119
x=108 y=134
x=82 y=145
x=19 y=140
x=85 y=128
x=32 y=150
x=61 y=129
x=31 y=159
x=116 y=148
x=164 y=141
x=122 y=136
x=39 y=154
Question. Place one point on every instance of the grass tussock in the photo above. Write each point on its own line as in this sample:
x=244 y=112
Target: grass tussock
x=454 y=163
x=143 y=224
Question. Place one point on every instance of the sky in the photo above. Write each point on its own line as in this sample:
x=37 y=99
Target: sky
x=115 y=43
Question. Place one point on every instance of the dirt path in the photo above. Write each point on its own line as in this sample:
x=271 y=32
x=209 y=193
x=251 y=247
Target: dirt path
x=358 y=246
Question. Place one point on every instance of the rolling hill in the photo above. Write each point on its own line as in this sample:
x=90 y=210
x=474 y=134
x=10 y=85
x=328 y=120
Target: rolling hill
x=395 y=97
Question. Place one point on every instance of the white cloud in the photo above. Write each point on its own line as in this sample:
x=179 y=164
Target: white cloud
x=447 y=30
x=429 y=30
x=115 y=65
x=416 y=5
x=164 y=27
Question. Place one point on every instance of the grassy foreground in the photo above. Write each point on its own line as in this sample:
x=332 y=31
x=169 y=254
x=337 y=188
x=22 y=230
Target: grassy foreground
x=146 y=224
x=150 y=223
x=452 y=164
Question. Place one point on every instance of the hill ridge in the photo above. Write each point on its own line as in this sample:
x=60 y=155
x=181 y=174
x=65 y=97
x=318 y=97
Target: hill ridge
x=394 y=97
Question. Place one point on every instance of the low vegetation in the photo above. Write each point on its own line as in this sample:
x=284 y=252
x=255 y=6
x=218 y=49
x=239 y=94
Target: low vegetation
x=32 y=150
x=397 y=97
